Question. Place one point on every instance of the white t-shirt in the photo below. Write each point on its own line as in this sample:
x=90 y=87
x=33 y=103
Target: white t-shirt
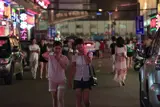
x=33 y=55
x=97 y=45
x=55 y=72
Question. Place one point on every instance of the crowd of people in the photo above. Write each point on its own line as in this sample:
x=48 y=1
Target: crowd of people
x=55 y=61
x=74 y=57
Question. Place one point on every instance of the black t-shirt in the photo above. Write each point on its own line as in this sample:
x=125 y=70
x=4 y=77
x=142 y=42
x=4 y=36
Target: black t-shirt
x=112 y=46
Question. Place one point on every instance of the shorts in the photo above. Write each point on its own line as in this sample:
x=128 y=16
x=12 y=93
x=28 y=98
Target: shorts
x=81 y=85
x=41 y=59
x=53 y=86
x=129 y=54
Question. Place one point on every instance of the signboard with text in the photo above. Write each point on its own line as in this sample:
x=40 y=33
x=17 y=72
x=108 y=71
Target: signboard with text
x=140 y=25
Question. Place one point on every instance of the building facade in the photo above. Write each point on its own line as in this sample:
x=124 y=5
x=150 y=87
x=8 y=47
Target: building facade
x=122 y=28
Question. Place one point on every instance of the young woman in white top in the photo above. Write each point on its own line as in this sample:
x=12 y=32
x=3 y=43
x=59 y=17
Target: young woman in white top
x=57 y=64
x=80 y=73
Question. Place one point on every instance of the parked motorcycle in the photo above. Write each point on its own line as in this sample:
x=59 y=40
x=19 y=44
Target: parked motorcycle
x=139 y=60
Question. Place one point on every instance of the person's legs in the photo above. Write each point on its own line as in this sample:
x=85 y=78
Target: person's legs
x=46 y=69
x=41 y=69
x=54 y=98
x=35 y=68
x=113 y=65
x=61 y=91
x=78 y=97
x=86 y=97
x=131 y=61
x=128 y=62
x=53 y=90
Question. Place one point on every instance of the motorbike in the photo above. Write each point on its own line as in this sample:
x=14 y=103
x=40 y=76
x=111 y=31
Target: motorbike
x=139 y=60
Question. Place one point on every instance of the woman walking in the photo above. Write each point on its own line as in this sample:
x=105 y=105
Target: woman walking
x=57 y=64
x=130 y=52
x=43 y=62
x=120 y=62
x=80 y=72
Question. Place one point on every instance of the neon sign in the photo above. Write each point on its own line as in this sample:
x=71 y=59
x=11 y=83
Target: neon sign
x=30 y=20
x=23 y=26
x=43 y=3
x=1 y=7
x=7 y=11
x=158 y=22
x=155 y=23
x=23 y=18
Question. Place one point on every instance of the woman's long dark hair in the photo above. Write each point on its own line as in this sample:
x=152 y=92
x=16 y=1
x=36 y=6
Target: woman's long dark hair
x=120 y=42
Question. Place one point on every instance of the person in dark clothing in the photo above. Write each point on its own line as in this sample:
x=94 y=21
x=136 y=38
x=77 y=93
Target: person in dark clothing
x=65 y=48
x=43 y=62
x=112 y=46
x=147 y=47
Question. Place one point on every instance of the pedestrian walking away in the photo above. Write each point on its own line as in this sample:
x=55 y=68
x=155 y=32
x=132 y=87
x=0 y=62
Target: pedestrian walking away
x=120 y=62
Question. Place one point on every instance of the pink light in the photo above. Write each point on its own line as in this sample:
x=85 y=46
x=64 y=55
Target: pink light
x=1 y=7
x=31 y=11
x=24 y=37
x=43 y=3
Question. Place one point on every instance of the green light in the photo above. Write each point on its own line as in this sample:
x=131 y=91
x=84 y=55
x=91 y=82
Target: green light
x=153 y=16
x=14 y=10
x=153 y=29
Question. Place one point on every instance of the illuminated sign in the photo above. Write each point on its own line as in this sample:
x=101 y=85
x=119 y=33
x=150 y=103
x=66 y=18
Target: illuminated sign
x=23 y=18
x=23 y=26
x=1 y=8
x=43 y=3
x=155 y=23
x=158 y=22
x=3 y=23
x=30 y=19
x=158 y=8
x=7 y=11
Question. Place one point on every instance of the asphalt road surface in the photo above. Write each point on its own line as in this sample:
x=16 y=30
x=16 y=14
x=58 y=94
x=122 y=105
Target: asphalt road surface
x=34 y=93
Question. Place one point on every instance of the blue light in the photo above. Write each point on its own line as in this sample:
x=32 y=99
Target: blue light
x=7 y=2
x=98 y=13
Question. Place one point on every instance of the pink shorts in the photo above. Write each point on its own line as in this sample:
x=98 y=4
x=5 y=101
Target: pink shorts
x=53 y=86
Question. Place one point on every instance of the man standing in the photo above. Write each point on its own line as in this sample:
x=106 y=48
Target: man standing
x=34 y=56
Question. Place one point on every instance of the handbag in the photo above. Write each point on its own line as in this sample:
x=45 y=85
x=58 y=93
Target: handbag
x=93 y=78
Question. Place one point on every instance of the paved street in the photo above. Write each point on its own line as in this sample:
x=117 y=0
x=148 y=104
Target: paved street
x=33 y=93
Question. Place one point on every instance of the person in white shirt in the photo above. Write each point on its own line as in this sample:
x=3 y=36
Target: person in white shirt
x=34 y=56
x=80 y=73
x=57 y=64
x=97 y=46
